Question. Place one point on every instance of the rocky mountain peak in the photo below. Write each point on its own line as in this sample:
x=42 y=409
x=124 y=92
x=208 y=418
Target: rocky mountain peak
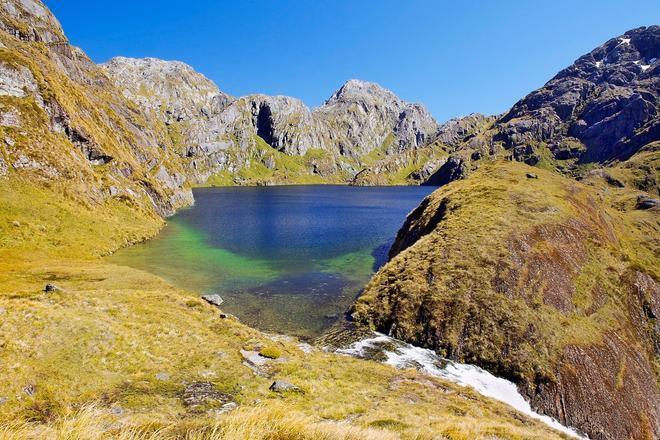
x=30 y=20
x=601 y=108
x=358 y=91
x=171 y=88
x=620 y=60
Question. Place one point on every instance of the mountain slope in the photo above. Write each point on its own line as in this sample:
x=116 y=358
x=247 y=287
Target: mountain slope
x=63 y=122
x=599 y=111
x=222 y=134
x=549 y=282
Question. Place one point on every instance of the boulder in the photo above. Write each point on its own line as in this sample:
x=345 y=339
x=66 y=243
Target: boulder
x=215 y=300
x=203 y=393
x=281 y=386
x=646 y=202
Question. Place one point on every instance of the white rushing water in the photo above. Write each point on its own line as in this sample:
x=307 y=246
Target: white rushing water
x=427 y=361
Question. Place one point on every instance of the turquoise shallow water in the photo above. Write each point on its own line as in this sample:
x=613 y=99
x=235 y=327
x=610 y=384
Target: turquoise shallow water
x=287 y=259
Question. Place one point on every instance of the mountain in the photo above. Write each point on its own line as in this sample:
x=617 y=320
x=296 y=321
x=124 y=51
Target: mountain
x=541 y=278
x=64 y=123
x=547 y=275
x=224 y=133
x=601 y=110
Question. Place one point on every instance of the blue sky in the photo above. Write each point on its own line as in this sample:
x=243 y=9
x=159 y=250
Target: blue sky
x=455 y=57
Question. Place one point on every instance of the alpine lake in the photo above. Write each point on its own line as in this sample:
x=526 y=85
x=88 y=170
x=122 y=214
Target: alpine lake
x=285 y=259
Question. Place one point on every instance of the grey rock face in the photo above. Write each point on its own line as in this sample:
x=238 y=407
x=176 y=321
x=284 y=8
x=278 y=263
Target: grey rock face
x=458 y=130
x=602 y=107
x=362 y=115
x=16 y=81
x=255 y=362
x=40 y=23
x=358 y=118
x=170 y=90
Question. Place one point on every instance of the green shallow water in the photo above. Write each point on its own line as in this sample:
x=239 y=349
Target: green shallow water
x=285 y=259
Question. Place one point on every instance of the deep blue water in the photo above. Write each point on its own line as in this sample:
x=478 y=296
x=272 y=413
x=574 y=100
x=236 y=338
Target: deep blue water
x=287 y=259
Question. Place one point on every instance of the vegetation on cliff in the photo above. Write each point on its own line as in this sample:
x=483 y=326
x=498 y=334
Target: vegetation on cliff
x=550 y=282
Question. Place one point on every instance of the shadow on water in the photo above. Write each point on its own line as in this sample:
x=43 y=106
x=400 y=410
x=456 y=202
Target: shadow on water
x=381 y=255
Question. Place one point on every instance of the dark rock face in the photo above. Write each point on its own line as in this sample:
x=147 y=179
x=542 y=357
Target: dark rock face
x=603 y=107
x=453 y=169
x=645 y=202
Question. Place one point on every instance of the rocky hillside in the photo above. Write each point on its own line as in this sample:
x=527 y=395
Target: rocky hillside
x=541 y=279
x=601 y=110
x=529 y=273
x=224 y=134
x=63 y=122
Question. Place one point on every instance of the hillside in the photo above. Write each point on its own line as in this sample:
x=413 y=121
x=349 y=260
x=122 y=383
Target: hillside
x=546 y=281
x=537 y=259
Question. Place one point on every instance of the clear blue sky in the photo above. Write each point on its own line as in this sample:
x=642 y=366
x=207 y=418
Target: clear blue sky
x=455 y=57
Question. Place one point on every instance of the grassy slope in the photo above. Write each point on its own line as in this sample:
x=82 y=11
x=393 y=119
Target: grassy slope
x=517 y=269
x=104 y=338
